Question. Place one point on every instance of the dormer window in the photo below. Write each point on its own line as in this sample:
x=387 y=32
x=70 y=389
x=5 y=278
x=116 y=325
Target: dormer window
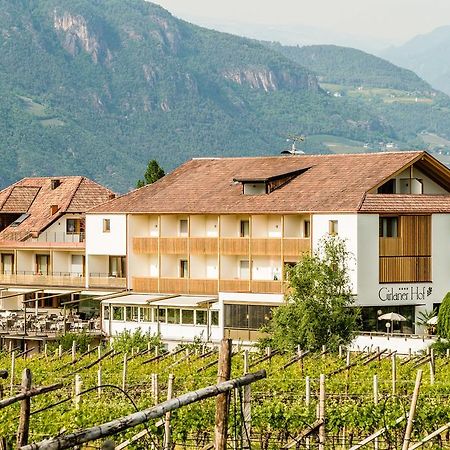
x=255 y=188
x=260 y=185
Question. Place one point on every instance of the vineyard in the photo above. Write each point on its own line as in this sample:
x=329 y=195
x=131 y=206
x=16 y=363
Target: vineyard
x=365 y=392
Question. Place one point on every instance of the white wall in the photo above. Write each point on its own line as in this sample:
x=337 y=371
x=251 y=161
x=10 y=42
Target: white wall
x=229 y=266
x=56 y=232
x=265 y=268
x=347 y=230
x=110 y=243
x=204 y=267
x=204 y=226
x=440 y=248
x=26 y=261
x=429 y=186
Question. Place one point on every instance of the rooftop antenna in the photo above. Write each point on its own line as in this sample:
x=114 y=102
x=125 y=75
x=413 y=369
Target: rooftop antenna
x=293 y=150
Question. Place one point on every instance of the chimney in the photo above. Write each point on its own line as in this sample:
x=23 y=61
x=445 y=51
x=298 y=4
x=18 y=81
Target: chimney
x=55 y=183
x=54 y=209
x=112 y=196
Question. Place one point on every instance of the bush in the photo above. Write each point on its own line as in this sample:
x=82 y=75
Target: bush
x=126 y=341
x=443 y=327
x=82 y=340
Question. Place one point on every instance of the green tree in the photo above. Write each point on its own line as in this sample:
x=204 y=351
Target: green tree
x=318 y=309
x=153 y=173
x=443 y=327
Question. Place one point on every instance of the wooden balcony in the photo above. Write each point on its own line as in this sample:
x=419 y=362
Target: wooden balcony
x=173 y=285
x=262 y=247
x=107 y=282
x=267 y=287
x=234 y=246
x=405 y=269
x=62 y=280
x=174 y=245
x=234 y=286
x=203 y=287
x=145 y=284
x=145 y=245
x=296 y=246
x=203 y=246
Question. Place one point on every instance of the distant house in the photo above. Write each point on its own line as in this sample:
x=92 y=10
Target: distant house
x=42 y=236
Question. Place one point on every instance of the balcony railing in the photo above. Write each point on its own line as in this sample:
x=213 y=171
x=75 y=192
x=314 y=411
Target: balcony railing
x=59 y=237
x=70 y=279
x=105 y=280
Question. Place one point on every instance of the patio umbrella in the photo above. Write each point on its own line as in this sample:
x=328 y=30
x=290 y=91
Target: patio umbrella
x=433 y=321
x=392 y=316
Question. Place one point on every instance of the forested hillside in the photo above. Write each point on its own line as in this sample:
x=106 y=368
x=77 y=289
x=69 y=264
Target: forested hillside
x=99 y=87
x=348 y=66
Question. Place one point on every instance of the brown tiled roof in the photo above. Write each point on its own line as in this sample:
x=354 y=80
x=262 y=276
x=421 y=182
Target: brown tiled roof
x=330 y=183
x=35 y=196
x=19 y=199
x=405 y=204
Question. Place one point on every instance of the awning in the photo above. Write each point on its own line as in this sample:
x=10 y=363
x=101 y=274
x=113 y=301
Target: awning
x=132 y=299
x=185 y=301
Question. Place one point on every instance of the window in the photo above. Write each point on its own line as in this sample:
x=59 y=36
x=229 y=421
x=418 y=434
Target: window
x=187 y=317
x=162 y=315
x=306 y=229
x=251 y=317
x=183 y=227
x=117 y=313
x=106 y=313
x=184 y=269
x=389 y=227
x=106 y=225
x=214 y=315
x=244 y=269
x=173 y=315
x=131 y=313
x=388 y=187
x=200 y=317
x=245 y=228
x=118 y=266
x=333 y=227
x=42 y=264
x=75 y=226
x=7 y=264
x=146 y=314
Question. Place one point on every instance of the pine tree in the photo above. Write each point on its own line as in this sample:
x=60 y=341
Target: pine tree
x=153 y=173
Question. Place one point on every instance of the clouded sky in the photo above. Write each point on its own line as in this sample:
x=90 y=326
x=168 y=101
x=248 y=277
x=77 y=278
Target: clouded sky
x=393 y=21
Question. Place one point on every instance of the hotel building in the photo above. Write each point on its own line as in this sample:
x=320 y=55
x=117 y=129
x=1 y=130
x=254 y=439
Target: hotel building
x=42 y=243
x=204 y=250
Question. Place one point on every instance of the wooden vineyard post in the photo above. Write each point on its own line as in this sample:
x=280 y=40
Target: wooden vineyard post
x=307 y=402
x=25 y=410
x=155 y=388
x=375 y=402
x=394 y=373
x=432 y=367
x=99 y=380
x=74 y=350
x=247 y=408
x=99 y=351
x=45 y=350
x=77 y=398
x=167 y=436
x=124 y=372
x=13 y=364
x=60 y=351
x=322 y=412
x=223 y=400
x=412 y=411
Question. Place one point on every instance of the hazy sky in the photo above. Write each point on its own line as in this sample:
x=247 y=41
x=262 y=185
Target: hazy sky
x=393 y=21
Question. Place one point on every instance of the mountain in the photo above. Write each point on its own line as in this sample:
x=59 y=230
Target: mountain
x=351 y=67
x=428 y=55
x=99 y=87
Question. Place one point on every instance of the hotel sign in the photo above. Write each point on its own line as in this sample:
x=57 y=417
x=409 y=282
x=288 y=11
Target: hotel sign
x=405 y=294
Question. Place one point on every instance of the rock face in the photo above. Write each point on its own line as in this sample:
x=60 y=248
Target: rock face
x=78 y=36
x=270 y=80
